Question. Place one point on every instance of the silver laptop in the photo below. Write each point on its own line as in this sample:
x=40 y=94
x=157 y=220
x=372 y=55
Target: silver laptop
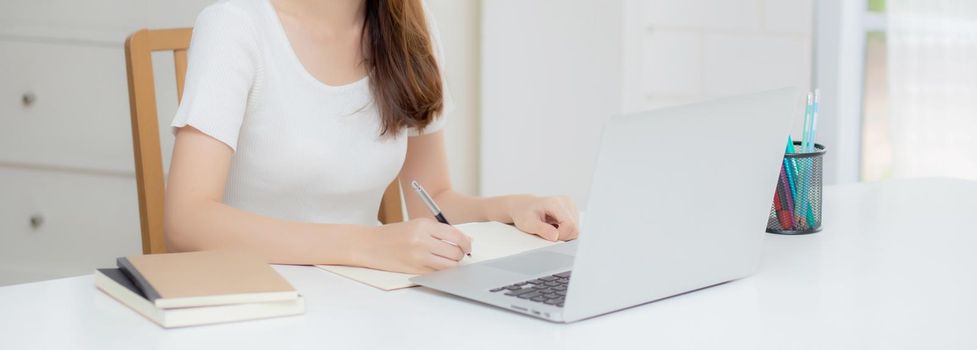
x=679 y=201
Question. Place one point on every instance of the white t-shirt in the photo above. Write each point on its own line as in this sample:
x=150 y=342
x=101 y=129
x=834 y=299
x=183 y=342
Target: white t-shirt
x=304 y=150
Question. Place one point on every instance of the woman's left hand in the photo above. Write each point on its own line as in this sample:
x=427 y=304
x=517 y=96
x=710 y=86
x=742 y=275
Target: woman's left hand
x=552 y=218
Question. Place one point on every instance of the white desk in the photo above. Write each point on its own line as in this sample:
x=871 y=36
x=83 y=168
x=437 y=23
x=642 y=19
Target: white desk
x=895 y=267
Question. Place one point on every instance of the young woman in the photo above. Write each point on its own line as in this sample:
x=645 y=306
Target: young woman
x=297 y=114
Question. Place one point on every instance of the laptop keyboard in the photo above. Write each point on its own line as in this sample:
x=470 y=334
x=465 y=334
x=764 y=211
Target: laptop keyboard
x=549 y=290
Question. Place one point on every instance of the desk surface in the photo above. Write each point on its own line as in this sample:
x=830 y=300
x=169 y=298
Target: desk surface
x=895 y=267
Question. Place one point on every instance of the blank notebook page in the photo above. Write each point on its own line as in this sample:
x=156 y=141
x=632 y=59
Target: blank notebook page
x=490 y=240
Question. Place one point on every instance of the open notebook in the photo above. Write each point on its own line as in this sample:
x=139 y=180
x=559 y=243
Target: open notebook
x=490 y=240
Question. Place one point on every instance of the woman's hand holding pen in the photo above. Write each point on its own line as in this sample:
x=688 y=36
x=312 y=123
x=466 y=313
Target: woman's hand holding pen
x=415 y=246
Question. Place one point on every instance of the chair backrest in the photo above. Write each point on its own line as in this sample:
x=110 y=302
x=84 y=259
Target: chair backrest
x=145 y=131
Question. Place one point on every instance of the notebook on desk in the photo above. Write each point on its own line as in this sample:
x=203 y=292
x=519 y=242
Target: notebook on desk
x=186 y=289
x=490 y=240
x=205 y=278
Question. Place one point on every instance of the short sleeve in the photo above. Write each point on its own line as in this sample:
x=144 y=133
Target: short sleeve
x=438 y=123
x=222 y=64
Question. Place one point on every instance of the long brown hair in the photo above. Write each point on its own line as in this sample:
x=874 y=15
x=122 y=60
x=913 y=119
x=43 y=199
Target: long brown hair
x=404 y=76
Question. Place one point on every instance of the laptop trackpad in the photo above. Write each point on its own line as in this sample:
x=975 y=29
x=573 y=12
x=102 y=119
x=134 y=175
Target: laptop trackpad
x=533 y=263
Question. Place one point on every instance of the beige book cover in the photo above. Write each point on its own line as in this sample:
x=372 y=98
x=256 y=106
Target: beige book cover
x=490 y=240
x=206 y=278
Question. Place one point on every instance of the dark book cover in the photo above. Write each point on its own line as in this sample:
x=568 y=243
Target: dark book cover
x=140 y=282
x=120 y=277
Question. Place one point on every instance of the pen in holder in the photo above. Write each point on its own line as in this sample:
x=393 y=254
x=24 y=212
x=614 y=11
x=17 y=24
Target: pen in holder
x=796 y=208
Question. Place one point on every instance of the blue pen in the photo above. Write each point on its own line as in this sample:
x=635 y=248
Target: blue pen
x=808 y=109
x=814 y=120
x=807 y=145
x=799 y=196
x=810 y=139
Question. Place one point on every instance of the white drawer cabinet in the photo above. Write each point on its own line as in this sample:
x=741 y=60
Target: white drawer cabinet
x=67 y=189
x=58 y=224
x=64 y=106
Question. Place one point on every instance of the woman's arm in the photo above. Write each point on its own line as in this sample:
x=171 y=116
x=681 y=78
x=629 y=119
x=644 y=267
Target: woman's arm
x=553 y=218
x=196 y=219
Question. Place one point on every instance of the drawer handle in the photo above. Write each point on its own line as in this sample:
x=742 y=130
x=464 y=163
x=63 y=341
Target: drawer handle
x=36 y=221
x=28 y=99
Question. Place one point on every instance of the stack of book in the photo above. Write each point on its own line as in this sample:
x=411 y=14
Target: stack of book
x=185 y=289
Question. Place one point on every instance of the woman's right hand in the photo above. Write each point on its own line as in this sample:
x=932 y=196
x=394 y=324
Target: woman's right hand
x=415 y=246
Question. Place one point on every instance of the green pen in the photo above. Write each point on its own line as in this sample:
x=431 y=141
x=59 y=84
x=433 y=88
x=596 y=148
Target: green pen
x=790 y=164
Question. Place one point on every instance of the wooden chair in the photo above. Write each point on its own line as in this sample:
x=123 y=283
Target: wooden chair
x=145 y=131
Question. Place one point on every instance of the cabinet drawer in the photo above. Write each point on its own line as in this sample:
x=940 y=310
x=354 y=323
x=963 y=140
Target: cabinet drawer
x=64 y=105
x=58 y=224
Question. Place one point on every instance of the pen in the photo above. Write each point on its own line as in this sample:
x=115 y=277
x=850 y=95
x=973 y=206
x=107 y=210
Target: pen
x=814 y=121
x=793 y=188
x=434 y=209
x=811 y=220
x=780 y=205
x=808 y=111
x=788 y=198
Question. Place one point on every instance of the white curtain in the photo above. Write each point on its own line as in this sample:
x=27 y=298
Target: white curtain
x=932 y=77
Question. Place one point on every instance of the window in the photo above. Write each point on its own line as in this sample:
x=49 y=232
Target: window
x=919 y=107
x=876 y=146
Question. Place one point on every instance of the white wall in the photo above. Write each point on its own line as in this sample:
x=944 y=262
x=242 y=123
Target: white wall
x=551 y=74
x=685 y=50
x=553 y=71
x=458 y=22
x=839 y=72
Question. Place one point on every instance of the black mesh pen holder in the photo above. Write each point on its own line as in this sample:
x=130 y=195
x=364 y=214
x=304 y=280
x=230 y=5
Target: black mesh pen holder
x=796 y=209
